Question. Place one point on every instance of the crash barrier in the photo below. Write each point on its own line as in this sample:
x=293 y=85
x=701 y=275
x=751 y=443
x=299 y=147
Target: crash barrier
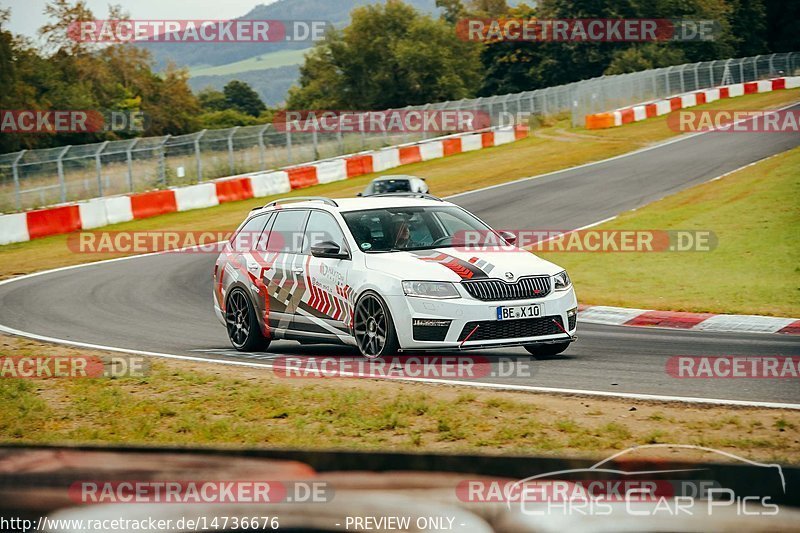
x=98 y=212
x=657 y=108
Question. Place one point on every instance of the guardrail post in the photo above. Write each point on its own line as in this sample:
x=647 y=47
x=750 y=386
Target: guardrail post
x=60 y=165
x=230 y=150
x=129 y=158
x=15 y=171
x=162 y=161
x=288 y=144
x=262 y=158
x=197 y=159
x=99 y=167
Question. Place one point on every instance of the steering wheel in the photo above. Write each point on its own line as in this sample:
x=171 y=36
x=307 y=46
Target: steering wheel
x=441 y=240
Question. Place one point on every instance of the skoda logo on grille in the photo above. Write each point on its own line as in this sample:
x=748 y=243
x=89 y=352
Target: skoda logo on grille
x=509 y=275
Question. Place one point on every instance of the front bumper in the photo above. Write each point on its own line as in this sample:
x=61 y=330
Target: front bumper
x=466 y=312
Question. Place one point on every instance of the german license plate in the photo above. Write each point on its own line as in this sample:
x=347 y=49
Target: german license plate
x=517 y=312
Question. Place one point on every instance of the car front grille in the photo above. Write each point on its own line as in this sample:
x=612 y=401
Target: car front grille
x=496 y=289
x=490 y=330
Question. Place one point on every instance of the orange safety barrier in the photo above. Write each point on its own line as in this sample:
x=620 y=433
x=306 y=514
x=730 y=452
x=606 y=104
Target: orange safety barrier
x=150 y=204
x=723 y=92
x=778 y=83
x=520 y=132
x=651 y=110
x=451 y=146
x=627 y=116
x=233 y=190
x=675 y=103
x=359 y=165
x=599 y=121
x=750 y=88
x=53 y=221
x=409 y=154
x=701 y=98
x=300 y=177
x=487 y=139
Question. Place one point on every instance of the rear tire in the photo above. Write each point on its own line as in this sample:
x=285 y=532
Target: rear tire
x=373 y=327
x=546 y=350
x=244 y=332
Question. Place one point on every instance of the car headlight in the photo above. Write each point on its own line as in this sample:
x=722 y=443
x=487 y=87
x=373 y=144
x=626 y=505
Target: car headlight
x=561 y=281
x=430 y=289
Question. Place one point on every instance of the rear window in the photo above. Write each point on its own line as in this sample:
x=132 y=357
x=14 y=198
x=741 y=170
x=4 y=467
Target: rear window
x=384 y=186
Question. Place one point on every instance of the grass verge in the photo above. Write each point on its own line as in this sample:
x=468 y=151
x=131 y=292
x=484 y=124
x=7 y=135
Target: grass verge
x=198 y=404
x=755 y=217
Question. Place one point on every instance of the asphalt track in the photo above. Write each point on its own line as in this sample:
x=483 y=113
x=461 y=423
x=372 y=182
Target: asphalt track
x=162 y=303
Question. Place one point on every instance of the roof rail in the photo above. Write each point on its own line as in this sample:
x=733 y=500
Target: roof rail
x=322 y=199
x=407 y=195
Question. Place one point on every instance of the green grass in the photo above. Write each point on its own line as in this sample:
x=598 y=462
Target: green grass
x=282 y=58
x=754 y=269
x=183 y=403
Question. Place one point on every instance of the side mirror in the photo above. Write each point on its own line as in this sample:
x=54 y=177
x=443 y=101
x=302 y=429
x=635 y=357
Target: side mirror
x=509 y=237
x=328 y=249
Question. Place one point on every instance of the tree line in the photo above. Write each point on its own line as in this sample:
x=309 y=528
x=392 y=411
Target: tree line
x=389 y=56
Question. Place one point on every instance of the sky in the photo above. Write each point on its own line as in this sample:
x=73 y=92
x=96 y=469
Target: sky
x=27 y=17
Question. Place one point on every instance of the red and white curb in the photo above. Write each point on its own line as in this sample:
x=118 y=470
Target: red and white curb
x=98 y=212
x=656 y=108
x=623 y=316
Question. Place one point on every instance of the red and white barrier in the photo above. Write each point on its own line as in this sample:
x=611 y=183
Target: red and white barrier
x=647 y=110
x=98 y=212
x=622 y=316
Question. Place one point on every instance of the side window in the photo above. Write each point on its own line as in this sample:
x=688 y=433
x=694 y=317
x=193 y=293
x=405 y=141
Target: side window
x=287 y=231
x=322 y=227
x=261 y=245
x=247 y=237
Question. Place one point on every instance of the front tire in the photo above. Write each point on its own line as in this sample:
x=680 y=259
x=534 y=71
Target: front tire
x=373 y=327
x=244 y=331
x=546 y=350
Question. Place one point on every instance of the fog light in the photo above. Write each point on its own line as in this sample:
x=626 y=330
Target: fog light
x=572 y=319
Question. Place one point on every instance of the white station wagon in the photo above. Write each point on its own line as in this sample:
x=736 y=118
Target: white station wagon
x=386 y=274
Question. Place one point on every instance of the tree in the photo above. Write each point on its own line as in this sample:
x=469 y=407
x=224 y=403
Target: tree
x=452 y=10
x=389 y=56
x=212 y=100
x=242 y=97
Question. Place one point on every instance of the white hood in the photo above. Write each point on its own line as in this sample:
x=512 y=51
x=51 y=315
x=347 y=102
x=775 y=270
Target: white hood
x=458 y=264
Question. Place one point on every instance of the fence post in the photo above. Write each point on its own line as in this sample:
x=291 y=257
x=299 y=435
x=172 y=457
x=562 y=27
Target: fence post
x=99 y=167
x=197 y=159
x=231 y=166
x=162 y=161
x=15 y=170
x=262 y=158
x=60 y=166
x=696 y=77
x=316 y=144
x=288 y=144
x=129 y=158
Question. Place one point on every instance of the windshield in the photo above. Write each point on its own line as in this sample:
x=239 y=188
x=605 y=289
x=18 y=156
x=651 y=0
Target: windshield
x=384 y=186
x=414 y=228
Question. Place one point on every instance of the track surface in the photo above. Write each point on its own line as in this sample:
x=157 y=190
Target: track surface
x=162 y=303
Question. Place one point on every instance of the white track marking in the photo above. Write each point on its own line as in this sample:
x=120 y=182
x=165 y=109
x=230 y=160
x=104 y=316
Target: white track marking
x=680 y=138
x=496 y=386
x=476 y=384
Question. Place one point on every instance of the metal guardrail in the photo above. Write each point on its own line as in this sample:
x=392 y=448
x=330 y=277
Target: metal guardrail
x=34 y=178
